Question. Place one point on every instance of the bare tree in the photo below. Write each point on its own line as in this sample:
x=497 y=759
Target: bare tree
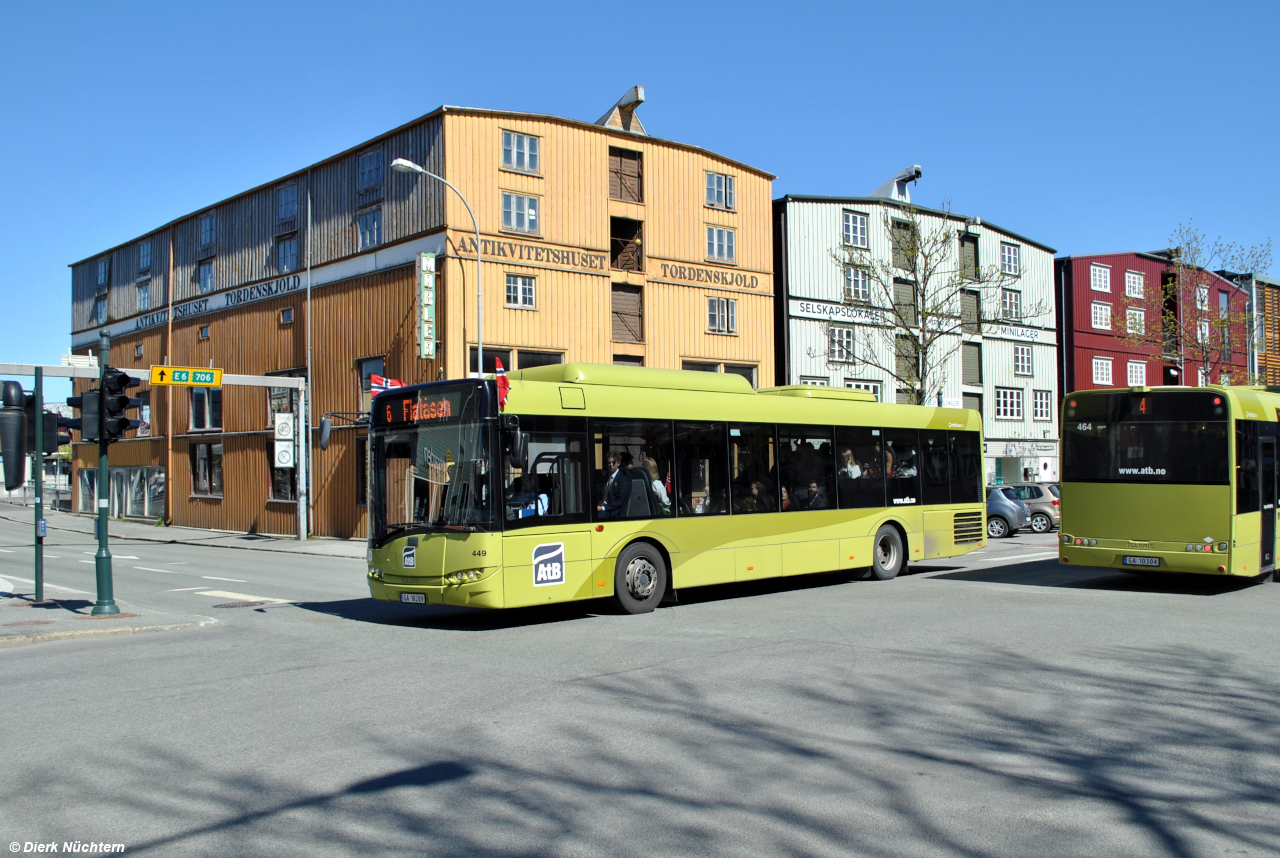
x=911 y=309
x=1187 y=319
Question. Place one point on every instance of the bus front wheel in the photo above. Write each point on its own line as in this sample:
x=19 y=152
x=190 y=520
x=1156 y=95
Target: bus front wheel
x=640 y=578
x=888 y=555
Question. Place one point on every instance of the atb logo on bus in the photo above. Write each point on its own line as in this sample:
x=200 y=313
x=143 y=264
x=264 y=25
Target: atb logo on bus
x=411 y=557
x=548 y=564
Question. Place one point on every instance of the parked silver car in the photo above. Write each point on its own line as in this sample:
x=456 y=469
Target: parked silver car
x=1006 y=515
x=1042 y=502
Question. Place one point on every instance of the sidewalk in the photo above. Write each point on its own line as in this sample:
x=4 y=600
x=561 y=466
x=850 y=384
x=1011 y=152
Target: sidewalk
x=23 y=621
x=352 y=548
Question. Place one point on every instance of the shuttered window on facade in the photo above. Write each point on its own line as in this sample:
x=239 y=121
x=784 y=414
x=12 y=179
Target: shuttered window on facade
x=904 y=299
x=627 y=314
x=971 y=363
x=905 y=353
x=626 y=249
x=972 y=400
x=901 y=236
x=970 y=313
x=969 y=256
x=626 y=181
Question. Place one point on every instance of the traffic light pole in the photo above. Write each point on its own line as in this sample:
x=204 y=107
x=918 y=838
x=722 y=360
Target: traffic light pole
x=106 y=604
x=37 y=468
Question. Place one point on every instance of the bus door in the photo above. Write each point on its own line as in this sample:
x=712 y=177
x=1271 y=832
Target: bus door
x=1267 y=475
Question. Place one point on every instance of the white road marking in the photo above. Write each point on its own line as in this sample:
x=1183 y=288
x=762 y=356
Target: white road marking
x=54 y=556
x=232 y=580
x=149 y=569
x=86 y=561
x=126 y=557
x=1019 y=558
x=241 y=597
x=6 y=550
x=49 y=586
x=185 y=589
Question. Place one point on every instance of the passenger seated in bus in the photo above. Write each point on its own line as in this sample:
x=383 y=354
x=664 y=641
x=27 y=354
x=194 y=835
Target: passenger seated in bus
x=760 y=497
x=817 y=497
x=849 y=467
x=786 y=499
x=616 y=490
x=659 y=490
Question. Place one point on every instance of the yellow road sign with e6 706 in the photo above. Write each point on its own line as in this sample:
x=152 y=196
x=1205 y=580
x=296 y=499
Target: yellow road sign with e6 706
x=186 y=376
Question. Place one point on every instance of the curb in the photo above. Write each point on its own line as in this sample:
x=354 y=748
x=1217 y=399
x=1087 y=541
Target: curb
x=90 y=633
x=201 y=544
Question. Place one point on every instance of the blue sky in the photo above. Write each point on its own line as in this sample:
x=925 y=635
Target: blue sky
x=1088 y=126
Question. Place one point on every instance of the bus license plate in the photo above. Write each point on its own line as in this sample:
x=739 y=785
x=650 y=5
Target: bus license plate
x=420 y=599
x=1141 y=561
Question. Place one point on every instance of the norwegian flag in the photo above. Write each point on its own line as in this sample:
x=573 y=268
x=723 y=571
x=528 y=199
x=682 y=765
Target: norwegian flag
x=504 y=384
x=379 y=384
x=668 y=484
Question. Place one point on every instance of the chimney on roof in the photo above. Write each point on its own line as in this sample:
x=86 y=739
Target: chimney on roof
x=896 y=188
x=623 y=114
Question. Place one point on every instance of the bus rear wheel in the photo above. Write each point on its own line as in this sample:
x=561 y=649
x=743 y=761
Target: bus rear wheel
x=640 y=578
x=887 y=555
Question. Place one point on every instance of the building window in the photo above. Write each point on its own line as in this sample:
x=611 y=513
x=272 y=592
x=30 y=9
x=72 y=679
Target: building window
x=720 y=191
x=628 y=360
x=369 y=367
x=722 y=315
x=969 y=256
x=1100 y=278
x=1135 y=321
x=1022 y=360
x=1010 y=304
x=814 y=381
x=1043 y=405
x=104 y=273
x=1101 y=316
x=99 y=310
x=1101 y=370
x=206 y=470
x=855 y=229
x=520 y=213
x=519 y=152
x=531 y=359
x=626 y=182
x=1008 y=403
x=144 y=257
x=204 y=276
x=520 y=291
x=287 y=202
x=1134 y=284
x=144 y=296
x=206 y=409
x=905 y=244
x=370 y=170
x=208 y=229
x=370 y=228
x=137 y=350
x=873 y=387
x=628 y=313
x=1202 y=332
x=971 y=363
x=1202 y=297
x=626 y=250
x=699 y=366
x=746 y=370
x=287 y=255
x=286 y=316
x=144 y=409
x=720 y=243
x=204 y=332
x=840 y=344
x=1137 y=373
x=1010 y=259
x=857 y=284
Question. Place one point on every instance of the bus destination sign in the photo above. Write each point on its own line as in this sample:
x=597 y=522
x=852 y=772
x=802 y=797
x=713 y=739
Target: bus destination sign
x=420 y=407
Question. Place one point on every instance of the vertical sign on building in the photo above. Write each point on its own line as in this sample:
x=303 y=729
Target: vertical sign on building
x=427 y=306
x=285 y=436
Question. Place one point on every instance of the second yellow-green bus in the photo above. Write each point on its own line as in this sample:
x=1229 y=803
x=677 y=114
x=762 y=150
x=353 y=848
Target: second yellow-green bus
x=598 y=481
x=1170 y=479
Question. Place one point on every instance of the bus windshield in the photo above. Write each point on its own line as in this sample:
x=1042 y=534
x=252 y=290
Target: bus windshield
x=430 y=465
x=1162 y=437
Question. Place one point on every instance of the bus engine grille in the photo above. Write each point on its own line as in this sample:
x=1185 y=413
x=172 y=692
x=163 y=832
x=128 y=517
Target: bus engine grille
x=968 y=527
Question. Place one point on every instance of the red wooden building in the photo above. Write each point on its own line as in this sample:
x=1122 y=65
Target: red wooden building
x=1110 y=309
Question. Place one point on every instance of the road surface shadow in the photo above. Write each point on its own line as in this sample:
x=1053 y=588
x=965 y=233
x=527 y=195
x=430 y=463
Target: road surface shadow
x=1050 y=573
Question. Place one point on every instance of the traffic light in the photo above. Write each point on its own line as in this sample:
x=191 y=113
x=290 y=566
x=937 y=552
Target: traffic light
x=49 y=427
x=115 y=402
x=88 y=422
x=13 y=435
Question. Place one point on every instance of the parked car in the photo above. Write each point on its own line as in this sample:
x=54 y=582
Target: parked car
x=1042 y=502
x=1006 y=515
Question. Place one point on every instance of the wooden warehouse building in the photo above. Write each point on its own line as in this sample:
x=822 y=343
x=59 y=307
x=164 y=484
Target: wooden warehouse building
x=598 y=243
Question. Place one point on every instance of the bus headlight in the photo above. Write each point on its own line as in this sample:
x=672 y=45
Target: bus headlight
x=464 y=577
x=375 y=572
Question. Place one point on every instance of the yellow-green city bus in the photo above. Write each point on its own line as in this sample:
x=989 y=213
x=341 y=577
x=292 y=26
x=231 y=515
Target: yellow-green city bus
x=606 y=481
x=1170 y=480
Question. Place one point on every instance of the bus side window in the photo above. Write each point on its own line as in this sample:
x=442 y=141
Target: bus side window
x=807 y=467
x=860 y=468
x=753 y=468
x=702 y=469
x=1248 y=484
x=966 y=467
x=935 y=467
x=902 y=466
x=643 y=448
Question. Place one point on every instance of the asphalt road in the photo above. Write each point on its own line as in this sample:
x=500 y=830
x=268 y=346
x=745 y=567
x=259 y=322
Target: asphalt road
x=1001 y=706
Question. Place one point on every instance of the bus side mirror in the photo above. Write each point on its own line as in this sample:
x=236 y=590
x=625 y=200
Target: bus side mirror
x=518 y=449
x=13 y=435
x=326 y=427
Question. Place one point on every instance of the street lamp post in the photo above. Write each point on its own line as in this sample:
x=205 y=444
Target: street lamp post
x=404 y=165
